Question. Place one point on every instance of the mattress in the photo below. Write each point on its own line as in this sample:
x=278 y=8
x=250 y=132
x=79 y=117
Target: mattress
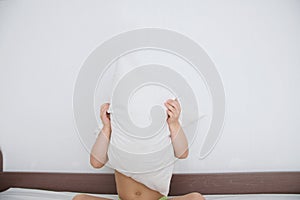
x=36 y=194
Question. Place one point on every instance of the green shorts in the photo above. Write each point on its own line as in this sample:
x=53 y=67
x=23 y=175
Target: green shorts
x=161 y=198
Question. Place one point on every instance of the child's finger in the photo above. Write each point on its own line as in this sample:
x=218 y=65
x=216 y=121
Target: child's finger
x=170 y=113
x=170 y=107
x=174 y=110
x=103 y=111
x=104 y=106
x=173 y=114
x=177 y=104
x=174 y=104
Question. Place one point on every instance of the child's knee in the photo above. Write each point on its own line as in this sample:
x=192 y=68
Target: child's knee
x=196 y=196
x=79 y=197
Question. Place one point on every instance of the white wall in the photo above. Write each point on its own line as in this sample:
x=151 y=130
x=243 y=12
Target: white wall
x=254 y=44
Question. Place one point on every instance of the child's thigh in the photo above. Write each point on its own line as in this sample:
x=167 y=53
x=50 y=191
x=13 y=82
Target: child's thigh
x=88 y=197
x=190 y=196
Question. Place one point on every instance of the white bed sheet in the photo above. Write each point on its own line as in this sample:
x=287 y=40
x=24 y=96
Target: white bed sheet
x=36 y=194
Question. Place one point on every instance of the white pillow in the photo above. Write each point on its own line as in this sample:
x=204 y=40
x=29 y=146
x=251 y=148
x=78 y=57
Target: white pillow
x=140 y=146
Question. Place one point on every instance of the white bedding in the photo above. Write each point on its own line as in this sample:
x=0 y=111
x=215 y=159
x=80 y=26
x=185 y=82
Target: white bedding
x=35 y=194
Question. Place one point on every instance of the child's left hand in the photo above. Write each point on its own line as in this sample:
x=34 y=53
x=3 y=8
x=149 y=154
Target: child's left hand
x=173 y=112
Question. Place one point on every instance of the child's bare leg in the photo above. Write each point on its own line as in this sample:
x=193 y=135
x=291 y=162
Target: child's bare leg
x=190 y=196
x=88 y=197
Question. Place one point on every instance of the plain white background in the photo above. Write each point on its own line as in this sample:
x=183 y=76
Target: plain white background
x=255 y=46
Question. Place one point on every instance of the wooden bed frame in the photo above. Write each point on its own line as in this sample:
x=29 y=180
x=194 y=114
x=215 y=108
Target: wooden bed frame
x=205 y=183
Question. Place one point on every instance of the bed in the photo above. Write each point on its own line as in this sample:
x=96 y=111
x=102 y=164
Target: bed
x=214 y=186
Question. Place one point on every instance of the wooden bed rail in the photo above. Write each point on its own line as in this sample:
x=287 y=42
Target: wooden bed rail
x=205 y=183
x=1 y=161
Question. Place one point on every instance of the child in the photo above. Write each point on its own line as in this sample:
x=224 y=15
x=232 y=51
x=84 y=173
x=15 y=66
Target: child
x=127 y=188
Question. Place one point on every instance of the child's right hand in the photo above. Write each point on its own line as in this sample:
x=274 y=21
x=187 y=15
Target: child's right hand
x=105 y=116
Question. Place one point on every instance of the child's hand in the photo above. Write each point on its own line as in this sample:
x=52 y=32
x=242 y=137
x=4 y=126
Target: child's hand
x=173 y=113
x=105 y=116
